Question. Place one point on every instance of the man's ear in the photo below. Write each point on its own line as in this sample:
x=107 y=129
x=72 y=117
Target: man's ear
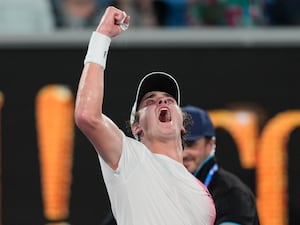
x=136 y=129
x=212 y=143
x=183 y=130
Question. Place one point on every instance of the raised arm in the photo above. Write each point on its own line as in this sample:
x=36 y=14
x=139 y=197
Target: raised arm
x=98 y=128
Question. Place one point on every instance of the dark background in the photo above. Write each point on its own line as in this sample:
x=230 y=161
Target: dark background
x=210 y=77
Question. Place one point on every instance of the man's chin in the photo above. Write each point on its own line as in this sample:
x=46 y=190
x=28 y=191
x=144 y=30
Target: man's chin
x=189 y=166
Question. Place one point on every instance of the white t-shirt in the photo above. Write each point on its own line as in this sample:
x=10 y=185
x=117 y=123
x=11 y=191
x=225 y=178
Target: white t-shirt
x=153 y=189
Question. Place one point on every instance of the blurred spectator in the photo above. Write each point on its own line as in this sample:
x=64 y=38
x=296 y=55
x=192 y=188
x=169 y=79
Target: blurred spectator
x=25 y=16
x=282 y=12
x=74 y=14
x=175 y=12
x=233 y=13
x=146 y=13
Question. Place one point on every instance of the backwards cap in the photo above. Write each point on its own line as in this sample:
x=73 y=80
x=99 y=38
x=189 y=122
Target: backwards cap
x=155 y=81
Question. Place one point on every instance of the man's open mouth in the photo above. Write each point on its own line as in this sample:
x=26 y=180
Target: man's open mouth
x=164 y=115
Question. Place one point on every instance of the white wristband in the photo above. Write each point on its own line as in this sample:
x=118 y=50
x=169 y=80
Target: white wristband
x=98 y=49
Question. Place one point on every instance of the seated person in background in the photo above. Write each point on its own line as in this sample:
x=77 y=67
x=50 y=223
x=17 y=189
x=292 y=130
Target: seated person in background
x=235 y=202
x=143 y=13
x=75 y=14
x=237 y=13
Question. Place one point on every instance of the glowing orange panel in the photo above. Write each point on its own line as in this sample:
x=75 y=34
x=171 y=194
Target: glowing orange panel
x=55 y=131
x=243 y=127
x=272 y=174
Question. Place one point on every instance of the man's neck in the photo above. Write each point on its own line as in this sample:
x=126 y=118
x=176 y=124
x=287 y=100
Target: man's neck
x=170 y=148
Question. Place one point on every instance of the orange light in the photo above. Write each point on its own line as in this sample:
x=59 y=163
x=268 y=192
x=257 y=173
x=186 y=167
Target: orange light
x=271 y=178
x=55 y=131
x=243 y=126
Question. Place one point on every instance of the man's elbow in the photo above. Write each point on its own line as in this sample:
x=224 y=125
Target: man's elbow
x=84 y=120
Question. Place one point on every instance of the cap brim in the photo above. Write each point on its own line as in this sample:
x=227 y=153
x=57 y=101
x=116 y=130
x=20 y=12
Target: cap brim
x=193 y=137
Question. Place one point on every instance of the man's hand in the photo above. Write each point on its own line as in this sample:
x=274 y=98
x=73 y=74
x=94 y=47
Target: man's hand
x=110 y=24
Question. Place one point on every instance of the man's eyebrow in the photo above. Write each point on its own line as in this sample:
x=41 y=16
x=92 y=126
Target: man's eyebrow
x=153 y=94
x=146 y=96
x=163 y=93
x=149 y=96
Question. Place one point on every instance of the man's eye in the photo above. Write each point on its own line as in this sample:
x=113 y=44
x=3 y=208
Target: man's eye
x=170 y=100
x=149 y=102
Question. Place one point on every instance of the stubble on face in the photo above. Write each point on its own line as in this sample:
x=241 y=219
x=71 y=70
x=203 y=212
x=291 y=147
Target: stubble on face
x=194 y=155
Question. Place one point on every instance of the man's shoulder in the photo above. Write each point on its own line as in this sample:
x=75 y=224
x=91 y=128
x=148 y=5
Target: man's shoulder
x=228 y=188
x=229 y=177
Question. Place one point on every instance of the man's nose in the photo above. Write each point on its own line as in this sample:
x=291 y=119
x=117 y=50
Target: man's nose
x=162 y=101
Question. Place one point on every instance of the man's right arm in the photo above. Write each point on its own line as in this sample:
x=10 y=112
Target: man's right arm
x=98 y=128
